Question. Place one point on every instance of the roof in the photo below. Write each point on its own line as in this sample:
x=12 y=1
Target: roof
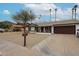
x=33 y=25
x=17 y=25
x=21 y=25
x=59 y=23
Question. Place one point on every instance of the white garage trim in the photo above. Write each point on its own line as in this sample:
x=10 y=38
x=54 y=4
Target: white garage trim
x=76 y=27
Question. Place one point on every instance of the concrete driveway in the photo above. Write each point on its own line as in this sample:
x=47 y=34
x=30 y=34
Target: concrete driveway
x=59 y=45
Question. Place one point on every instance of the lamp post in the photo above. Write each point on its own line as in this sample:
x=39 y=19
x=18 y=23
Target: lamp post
x=55 y=13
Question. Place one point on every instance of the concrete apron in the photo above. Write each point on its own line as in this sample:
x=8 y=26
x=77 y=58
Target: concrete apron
x=42 y=47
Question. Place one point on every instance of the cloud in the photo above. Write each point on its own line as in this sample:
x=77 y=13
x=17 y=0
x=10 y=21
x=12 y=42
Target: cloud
x=6 y=12
x=64 y=14
x=43 y=9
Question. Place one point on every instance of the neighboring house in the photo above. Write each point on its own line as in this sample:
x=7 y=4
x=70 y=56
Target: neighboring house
x=59 y=27
x=15 y=27
x=19 y=27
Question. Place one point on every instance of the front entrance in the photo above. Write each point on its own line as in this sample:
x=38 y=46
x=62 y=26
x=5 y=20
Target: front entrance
x=45 y=29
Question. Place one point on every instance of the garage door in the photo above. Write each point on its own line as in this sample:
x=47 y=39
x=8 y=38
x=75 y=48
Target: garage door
x=64 y=29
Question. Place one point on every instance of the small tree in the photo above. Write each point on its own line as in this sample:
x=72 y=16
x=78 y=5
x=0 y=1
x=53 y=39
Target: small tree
x=23 y=17
x=4 y=25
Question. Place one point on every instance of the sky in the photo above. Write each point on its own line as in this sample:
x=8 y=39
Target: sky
x=63 y=11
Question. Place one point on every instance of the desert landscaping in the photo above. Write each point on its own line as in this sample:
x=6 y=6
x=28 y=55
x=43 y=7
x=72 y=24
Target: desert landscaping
x=17 y=38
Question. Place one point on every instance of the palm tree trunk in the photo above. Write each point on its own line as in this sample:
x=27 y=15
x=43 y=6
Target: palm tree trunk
x=55 y=15
x=72 y=14
x=75 y=14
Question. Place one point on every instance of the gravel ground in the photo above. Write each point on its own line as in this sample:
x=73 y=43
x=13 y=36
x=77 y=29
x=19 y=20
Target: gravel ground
x=10 y=49
x=16 y=37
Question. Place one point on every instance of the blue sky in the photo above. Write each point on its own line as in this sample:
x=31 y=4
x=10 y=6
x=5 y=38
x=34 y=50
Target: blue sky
x=65 y=5
x=9 y=9
x=12 y=8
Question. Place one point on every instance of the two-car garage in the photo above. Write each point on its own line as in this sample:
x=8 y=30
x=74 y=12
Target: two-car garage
x=64 y=29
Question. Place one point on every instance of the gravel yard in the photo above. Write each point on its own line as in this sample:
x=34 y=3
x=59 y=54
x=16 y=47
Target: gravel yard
x=16 y=37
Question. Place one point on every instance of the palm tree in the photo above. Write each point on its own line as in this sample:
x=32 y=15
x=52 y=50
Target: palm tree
x=72 y=13
x=75 y=8
x=40 y=16
x=55 y=14
x=23 y=17
x=50 y=13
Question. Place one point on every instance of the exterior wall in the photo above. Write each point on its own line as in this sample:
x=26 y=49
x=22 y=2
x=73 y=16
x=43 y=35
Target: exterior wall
x=33 y=29
x=76 y=27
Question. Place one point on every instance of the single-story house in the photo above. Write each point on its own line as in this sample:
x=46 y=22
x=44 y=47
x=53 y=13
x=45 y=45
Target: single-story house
x=16 y=27
x=59 y=27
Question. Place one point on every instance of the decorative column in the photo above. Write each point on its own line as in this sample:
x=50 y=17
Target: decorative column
x=52 y=29
x=39 y=29
x=44 y=29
